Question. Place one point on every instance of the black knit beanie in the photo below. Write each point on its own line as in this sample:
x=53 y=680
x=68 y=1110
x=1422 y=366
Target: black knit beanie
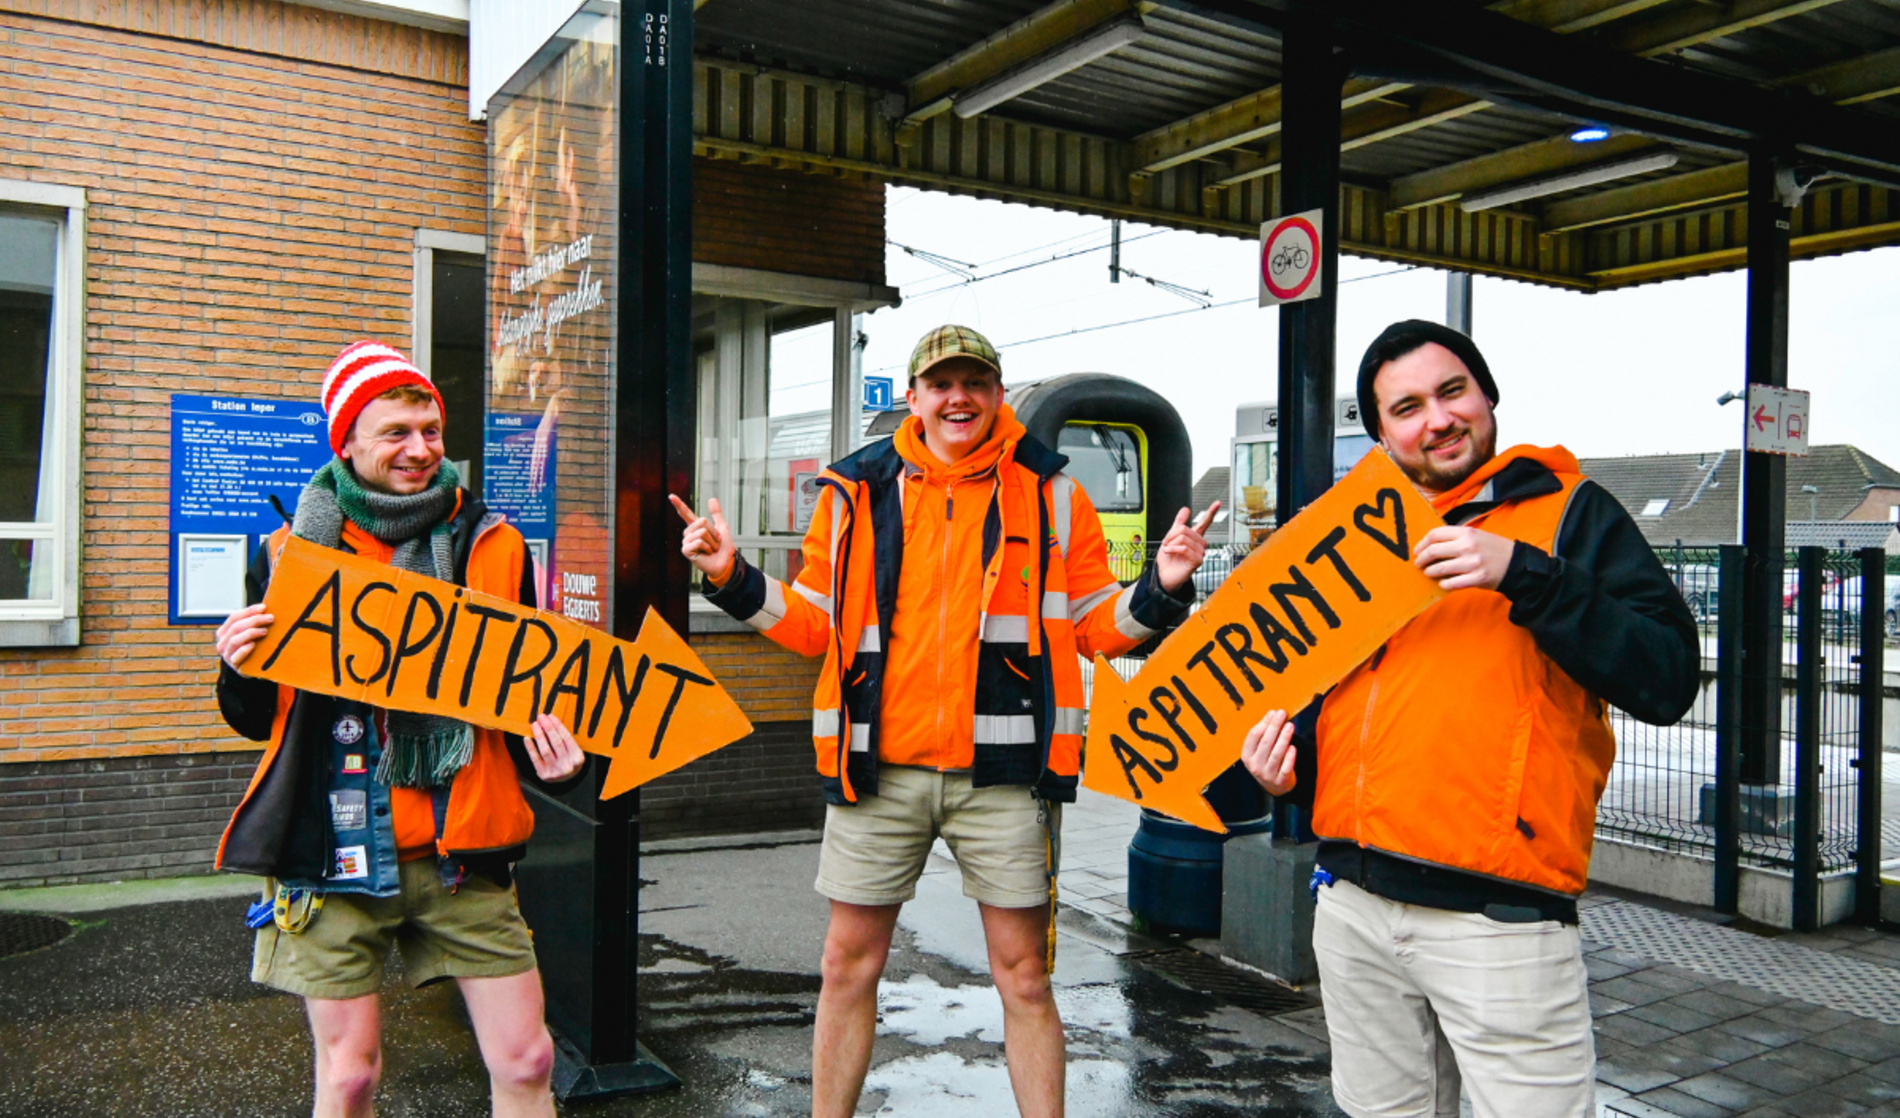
x=1401 y=338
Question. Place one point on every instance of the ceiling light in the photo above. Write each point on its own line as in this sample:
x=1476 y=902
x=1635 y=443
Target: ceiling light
x=1589 y=135
x=1048 y=66
x=1567 y=180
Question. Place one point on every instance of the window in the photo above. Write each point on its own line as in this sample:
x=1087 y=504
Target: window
x=1656 y=506
x=448 y=339
x=1106 y=462
x=42 y=300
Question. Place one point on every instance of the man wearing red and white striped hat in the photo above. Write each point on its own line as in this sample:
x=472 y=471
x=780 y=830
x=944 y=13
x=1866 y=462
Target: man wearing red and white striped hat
x=379 y=827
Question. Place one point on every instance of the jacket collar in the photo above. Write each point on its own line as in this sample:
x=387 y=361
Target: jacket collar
x=1517 y=474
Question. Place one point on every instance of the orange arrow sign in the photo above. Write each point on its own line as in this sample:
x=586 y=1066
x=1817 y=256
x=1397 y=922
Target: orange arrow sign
x=362 y=630
x=1308 y=606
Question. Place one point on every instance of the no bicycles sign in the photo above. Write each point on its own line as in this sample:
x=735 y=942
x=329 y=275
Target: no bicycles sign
x=1289 y=258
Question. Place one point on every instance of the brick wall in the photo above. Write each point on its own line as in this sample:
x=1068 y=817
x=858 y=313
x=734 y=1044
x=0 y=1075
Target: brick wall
x=763 y=782
x=787 y=221
x=250 y=211
x=63 y=822
x=769 y=683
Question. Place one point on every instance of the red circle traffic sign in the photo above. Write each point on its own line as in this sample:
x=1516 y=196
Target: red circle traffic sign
x=1301 y=276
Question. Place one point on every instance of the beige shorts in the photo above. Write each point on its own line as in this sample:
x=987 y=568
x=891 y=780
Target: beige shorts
x=1005 y=844
x=474 y=932
x=1420 y=1001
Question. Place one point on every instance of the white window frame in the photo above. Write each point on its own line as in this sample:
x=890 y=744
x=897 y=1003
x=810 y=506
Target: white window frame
x=55 y=623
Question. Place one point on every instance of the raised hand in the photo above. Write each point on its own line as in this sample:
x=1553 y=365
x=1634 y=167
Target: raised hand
x=240 y=632
x=1184 y=547
x=707 y=543
x=1268 y=753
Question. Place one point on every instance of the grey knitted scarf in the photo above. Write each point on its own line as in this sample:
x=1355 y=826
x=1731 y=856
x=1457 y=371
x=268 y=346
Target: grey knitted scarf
x=422 y=750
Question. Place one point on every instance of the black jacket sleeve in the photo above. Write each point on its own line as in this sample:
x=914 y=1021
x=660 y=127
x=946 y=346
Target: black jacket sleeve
x=1607 y=612
x=249 y=705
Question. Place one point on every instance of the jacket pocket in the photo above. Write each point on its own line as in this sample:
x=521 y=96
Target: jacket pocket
x=1510 y=829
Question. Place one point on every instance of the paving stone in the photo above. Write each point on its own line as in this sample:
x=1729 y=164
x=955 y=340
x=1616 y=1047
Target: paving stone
x=1726 y=1047
x=1632 y=989
x=1672 y=1016
x=1866 y=1040
x=1673 y=1102
x=1757 y=1028
x=1636 y=1107
x=1823 y=1104
x=1809 y=1018
x=1623 y=1027
x=1745 y=993
x=1722 y=1090
x=1716 y=1003
x=1641 y=1069
x=1886 y=1070
x=1864 y=1089
x=1674 y=979
x=1602 y=1005
x=1602 y=970
x=1782 y=1075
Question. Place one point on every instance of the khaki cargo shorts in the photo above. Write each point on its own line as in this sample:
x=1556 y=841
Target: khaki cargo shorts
x=474 y=932
x=1005 y=844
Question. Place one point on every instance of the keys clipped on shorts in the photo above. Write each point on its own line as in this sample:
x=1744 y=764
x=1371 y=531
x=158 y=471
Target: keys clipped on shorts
x=290 y=909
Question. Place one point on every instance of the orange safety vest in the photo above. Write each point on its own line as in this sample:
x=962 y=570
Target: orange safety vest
x=1460 y=743
x=486 y=811
x=1028 y=707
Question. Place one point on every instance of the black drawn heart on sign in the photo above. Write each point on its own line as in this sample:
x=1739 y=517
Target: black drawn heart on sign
x=1401 y=546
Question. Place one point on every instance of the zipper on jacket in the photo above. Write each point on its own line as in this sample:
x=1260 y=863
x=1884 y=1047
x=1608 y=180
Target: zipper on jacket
x=943 y=600
x=1365 y=738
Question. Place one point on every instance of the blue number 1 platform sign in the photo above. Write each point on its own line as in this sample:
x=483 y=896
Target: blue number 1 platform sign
x=230 y=455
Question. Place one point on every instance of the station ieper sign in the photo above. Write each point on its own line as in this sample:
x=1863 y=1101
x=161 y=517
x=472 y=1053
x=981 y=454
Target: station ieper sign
x=1308 y=606
x=1290 y=258
x=362 y=630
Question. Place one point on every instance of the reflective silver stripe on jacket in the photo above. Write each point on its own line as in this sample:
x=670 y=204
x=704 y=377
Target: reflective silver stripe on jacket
x=1081 y=604
x=1055 y=605
x=860 y=737
x=1069 y=720
x=870 y=640
x=1004 y=628
x=1061 y=487
x=822 y=601
x=1005 y=729
x=824 y=723
x=773 y=611
x=1125 y=622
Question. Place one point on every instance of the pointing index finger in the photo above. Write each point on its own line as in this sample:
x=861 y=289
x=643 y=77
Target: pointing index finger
x=685 y=510
x=1206 y=518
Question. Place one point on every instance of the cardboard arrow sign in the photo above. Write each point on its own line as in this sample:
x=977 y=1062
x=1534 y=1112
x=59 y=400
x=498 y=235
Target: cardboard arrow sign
x=362 y=630
x=1308 y=606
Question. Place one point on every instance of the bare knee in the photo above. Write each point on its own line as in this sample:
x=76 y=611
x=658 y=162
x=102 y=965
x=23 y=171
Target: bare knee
x=525 y=1065
x=349 y=1075
x=854 y=963
x=1023 y=983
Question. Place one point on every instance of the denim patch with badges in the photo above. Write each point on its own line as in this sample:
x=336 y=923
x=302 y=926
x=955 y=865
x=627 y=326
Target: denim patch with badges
x=348 y=729
x=351 y=862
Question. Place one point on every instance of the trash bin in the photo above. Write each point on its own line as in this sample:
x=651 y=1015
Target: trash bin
x=1174 y=868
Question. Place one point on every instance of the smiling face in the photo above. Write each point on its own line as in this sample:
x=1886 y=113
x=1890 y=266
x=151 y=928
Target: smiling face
x=1434 y=419
x=957 y=400
x=395 y=445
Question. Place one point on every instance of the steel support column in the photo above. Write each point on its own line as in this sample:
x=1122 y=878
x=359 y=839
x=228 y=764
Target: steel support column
x=1458 y=302
x=1764 y=489
x=1728 y=718
x=1309 y=179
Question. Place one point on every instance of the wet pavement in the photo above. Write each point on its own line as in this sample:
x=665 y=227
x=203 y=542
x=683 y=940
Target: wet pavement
x=147 y=1008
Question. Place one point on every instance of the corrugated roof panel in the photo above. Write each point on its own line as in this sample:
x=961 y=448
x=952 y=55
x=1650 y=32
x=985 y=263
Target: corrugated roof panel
x=886 y=43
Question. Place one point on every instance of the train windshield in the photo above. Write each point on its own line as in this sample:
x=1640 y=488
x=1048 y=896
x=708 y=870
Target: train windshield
x=1106 y=462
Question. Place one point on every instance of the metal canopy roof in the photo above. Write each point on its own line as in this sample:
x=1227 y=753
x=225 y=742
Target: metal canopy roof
x=1167 y=111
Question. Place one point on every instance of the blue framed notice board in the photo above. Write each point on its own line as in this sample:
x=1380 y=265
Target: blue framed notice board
x=230 y=455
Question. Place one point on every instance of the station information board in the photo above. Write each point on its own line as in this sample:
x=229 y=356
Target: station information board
x=230 y=455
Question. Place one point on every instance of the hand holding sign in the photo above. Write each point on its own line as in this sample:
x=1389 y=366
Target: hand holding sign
x=1460 y=558
x=1269 y=752
x=366 y=631
x=1184 y=548
x=1303 y=610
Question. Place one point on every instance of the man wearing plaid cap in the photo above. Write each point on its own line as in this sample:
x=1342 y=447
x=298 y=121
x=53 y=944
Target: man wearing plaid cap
x=952 y=577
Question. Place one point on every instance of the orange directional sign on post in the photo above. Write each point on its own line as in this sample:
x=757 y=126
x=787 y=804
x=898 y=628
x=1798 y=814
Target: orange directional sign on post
x=359 y=629
x=1308 y=606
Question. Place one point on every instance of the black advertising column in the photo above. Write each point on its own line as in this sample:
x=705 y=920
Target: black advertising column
x=1311 y=76
x=1764 y=503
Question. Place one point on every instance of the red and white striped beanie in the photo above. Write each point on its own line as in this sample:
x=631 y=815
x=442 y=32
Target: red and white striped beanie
x=362 y=372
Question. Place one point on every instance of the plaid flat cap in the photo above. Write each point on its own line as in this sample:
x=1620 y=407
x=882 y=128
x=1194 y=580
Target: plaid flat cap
x=946 y=342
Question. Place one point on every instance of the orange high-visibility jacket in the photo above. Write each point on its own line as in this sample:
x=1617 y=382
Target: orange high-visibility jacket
x=1020 y=585
x=1461 y=743
x=278 y=828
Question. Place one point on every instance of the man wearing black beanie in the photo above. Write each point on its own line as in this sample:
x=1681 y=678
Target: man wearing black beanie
x=1453 y=777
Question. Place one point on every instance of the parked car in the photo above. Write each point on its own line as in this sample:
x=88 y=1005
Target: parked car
x=1850 y=599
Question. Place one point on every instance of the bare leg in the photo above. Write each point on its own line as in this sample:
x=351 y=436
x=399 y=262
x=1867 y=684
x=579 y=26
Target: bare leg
x=1032 y=1028
x=856 y=945
x=348 y=1036
x=513 y=1034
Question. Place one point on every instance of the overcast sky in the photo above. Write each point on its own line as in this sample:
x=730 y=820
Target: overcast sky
x=1627 y=372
